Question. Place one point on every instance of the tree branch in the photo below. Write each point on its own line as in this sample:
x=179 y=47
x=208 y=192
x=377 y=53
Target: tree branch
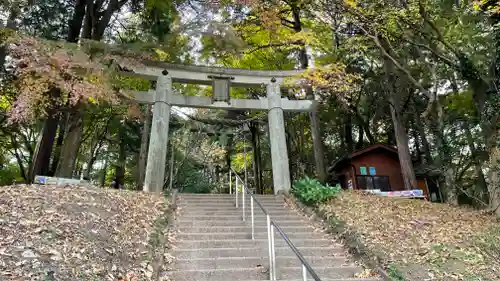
x=275 y=45
x=434 y=52
x=394 y=61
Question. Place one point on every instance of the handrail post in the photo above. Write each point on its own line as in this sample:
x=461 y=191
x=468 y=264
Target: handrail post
x=243 y=191
x=253 y=226
x=273 y=251
x=230 y=183
x=236 y=181
x=304 y=272
x=269 y=247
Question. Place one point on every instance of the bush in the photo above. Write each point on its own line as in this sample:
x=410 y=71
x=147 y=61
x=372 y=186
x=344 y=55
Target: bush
x=311 y=192
x=10 y=174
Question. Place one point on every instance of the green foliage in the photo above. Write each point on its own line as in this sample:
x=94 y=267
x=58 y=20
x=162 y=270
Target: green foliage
x=198 y=187
x=9 y=174
x=312 y=192
x=395 y=274
x=47 y=19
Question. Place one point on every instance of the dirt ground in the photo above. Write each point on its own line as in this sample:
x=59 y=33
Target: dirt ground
x=419 y=240
x=73 y=233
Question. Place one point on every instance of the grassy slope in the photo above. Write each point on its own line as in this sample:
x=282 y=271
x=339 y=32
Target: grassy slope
x=421 y=240
x=57 y=233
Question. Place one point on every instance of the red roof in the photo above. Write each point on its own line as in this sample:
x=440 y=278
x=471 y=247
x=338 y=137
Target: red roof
x=370 y=148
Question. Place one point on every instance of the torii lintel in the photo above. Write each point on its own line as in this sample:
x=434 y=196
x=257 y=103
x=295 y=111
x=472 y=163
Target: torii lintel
x=233 y=104
x=203 y=75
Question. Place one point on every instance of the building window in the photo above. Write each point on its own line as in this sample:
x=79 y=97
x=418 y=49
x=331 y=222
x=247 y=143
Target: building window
x=362 y=170
x=373 y=182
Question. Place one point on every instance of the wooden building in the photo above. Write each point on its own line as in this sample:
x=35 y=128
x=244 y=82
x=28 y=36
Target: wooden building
x=377 y=167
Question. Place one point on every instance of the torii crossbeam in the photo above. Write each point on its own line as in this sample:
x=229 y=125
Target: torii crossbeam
x=222 y=79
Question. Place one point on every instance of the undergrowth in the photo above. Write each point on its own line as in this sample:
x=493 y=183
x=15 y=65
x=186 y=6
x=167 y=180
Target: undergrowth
x=311 y=192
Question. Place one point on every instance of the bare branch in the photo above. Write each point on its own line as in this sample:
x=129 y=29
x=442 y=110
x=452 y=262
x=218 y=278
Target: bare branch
x=394 y=61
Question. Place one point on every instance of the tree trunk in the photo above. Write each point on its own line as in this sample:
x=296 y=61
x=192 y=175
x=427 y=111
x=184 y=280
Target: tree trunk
x=259 y=161
x=19 y=159
x=349 y=142
x=409 y=178
x=143 y=154
x=450 y=190
x=71 y=145
x=294 y=158
x=256 y=157
x=78 y=170
x=400 y=133
x=122 y=159
x=41 y=157
x=494 y=149
x=318 y=146
x=391 y=135
x=40 y=164
x=89 y=167
x=365 y=127
x=360 y=143
x=104 y=170
x=60 y=139
x=423 y=138
x=104 y=19
x=494 y=176
x=480 y=178
x=75 y=130
x=75 y=24
x=92 y=158
x=418 y=150
x=289 y=151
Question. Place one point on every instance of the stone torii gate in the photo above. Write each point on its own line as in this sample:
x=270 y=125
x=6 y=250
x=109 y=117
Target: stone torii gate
x=221 y=79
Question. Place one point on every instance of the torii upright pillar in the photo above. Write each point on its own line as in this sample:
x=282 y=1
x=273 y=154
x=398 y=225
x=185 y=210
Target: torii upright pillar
x=277 y=137
x=158 y=143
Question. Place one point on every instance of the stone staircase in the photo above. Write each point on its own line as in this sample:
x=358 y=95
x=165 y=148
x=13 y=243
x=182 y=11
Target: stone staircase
x=214 y=244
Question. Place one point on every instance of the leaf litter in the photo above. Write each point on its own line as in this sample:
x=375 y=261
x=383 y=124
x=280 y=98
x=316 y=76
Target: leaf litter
x=73 y=233
x=427 y=241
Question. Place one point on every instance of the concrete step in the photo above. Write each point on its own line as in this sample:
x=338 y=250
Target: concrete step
x=229 y=198
x=228 y=202
x=241 y=229
x=248 y=243
x=228 y=206
x=258 y=235
x=322 y=272
x=259 y=273
x=215 y=195
x=278 y=212
x=329 y=279
x=241 y=262
x=258 y=222
x=238 y=215
x=182 y=223
x=254 y=252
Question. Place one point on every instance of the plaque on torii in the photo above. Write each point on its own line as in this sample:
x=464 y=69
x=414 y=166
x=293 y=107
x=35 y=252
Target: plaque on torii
x=221 y=80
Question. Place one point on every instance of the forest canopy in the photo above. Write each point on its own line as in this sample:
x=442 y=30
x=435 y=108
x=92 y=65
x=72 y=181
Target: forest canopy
x=421 y=76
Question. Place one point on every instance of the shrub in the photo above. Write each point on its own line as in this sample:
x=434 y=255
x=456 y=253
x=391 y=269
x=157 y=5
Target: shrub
x=311 y=192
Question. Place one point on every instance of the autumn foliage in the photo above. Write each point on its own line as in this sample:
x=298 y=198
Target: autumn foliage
x=52 y=74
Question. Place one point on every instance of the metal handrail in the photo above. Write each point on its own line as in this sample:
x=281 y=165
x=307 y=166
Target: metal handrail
x=271 y=225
